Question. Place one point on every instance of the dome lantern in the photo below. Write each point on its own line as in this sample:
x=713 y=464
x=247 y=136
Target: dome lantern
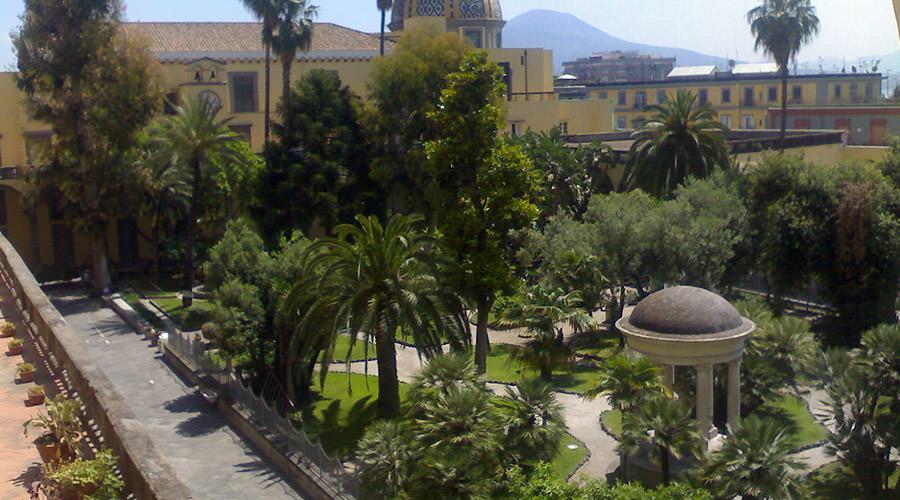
x=479 y=21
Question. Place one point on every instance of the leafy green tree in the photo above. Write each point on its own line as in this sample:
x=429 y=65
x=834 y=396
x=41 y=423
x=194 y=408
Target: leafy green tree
x=678 y=140
x=483 y=189
x=241 y=255
x=238 y=326
x=864 y=402
x=754 y=462
x=235 y=176
x=96 y=90
x=196 y=140
x=629 y=381
x=318 y=175
x=379 y=279
x=404 y=88
x=666 y=425
x=782 y=28
x=293 y=32
x=384 y=6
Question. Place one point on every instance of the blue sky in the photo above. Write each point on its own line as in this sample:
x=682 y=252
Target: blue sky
x=849 y=29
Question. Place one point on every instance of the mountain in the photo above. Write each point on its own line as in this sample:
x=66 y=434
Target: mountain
x=570 y=38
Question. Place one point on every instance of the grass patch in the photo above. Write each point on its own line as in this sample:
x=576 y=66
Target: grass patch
x=612 y=420
x=836 y=482
x=134 y=301
x=338 y=418
x=188 y=319
x=579 y=378
x=357 y=353
x=791 y=412
x=601 y=344
x=796 y=417
x=567 y=461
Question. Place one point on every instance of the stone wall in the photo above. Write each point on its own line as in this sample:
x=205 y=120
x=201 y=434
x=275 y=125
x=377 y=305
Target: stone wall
x=147 y=475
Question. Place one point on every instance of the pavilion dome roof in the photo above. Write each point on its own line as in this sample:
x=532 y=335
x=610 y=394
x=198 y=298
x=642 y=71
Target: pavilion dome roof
x=685 y=310
x=449 y=9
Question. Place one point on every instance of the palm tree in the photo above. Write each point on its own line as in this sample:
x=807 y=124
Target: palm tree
x=294 y=32
x=194 y=139
x=782 y=28
x=443 y=373
x=534 y=421
x=388 y=454
x=167 y=196
x=754 y=462
x=679 y=140
x=267 y=12
x=541 y=310
x=377 y=280
x=628 y=381
x=384 y=6
x=667 y=426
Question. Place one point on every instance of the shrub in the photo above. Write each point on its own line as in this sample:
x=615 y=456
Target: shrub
x=95 y=479
x=36 y=390
x=15 y=343
x=24 y=368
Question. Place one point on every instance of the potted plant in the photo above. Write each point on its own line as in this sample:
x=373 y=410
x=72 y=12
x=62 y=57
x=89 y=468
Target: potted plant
x=35 y=395
x=62 y=430
x=82 y=478
x=7 y=329
x=25 y=372
x=15 y=347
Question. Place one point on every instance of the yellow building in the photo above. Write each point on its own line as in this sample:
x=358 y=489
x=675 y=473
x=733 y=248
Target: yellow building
x=742 y=96
x=224 y=62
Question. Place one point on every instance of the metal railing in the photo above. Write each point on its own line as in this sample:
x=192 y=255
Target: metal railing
x=269 y=410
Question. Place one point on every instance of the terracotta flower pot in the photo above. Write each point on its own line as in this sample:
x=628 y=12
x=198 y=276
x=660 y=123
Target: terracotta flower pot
x=15 y=350
x=26 y=376
x=7 y=333
x=48 y=449
x=35 y=399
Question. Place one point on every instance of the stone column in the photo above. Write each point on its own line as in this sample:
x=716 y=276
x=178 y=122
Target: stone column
x=668 y=375
x=704 y=400
x=734 y=393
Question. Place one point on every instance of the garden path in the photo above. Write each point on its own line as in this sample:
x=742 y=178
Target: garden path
x=817 y=401
x=208 y=456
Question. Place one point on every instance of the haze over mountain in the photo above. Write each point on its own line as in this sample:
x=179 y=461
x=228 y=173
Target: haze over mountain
x=570 y=38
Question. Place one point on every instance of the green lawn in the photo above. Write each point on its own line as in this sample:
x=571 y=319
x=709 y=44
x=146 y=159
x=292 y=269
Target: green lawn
x=579 y=379
x=601 y=344
x=358 y=353
x=188 y=319
x=790 y=411
x=134 y=301
x=567 y=461
x=836 y=482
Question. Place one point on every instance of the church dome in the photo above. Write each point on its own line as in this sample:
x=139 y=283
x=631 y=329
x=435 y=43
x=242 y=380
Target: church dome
x=448 y=9
x=685 y=310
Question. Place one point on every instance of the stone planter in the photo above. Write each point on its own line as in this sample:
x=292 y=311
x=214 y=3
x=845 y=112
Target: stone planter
x=15 y=349
x=26 y=375
x=35 y=399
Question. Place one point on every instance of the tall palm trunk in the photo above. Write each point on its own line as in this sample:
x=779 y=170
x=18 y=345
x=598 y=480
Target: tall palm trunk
x=156 y=228
x=482 y=341
x=388 y=383
x=383 y=16
x=287 y=64
x=100 y=263
x=664 y=464
x=188 y=298
x=268 y=89
x=784 y=79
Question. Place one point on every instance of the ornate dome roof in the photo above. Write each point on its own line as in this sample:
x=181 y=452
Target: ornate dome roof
x=450 y=9
x=685 y=310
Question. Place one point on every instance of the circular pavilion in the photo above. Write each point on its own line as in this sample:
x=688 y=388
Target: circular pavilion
x=689 y=326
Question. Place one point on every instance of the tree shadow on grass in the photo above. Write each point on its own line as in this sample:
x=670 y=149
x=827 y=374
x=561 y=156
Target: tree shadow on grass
x=338 y=427
x=782 y=417
x=833 y=482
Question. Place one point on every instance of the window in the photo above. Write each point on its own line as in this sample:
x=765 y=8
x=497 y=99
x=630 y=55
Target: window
x=726 y=96
x=747 y=122
x=640 y=100
x=773 y=94
x=507 y=77
x=172 y=103
x=726 y=120
x=564 y=128
x=603 y=95
x=243 y=92
x=838 y=91
x=36 y=145
x=748 y=96
x=474 y=36
x=244 y=131
x=661 y=96
x=623 y=98
x=797 y=93
x=2 y=206
x=870 y=90
x=621 y=123
x=514 y=129
x=854 y=90
x=704 y=97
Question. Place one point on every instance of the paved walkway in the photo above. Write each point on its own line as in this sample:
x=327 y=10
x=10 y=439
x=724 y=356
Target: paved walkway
x=207 y=455
x=20 y=464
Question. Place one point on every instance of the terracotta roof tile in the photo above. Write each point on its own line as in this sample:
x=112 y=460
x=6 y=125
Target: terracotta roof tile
x=180 y=37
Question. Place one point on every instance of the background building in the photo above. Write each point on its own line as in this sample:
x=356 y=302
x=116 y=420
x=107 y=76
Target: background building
x=865 y=125
x=619 y=66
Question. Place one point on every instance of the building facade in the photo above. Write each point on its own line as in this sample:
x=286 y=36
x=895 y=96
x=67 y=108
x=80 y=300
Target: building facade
x=224 y=62
x=742 y=99
x=863 y=125
x=620 y=66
